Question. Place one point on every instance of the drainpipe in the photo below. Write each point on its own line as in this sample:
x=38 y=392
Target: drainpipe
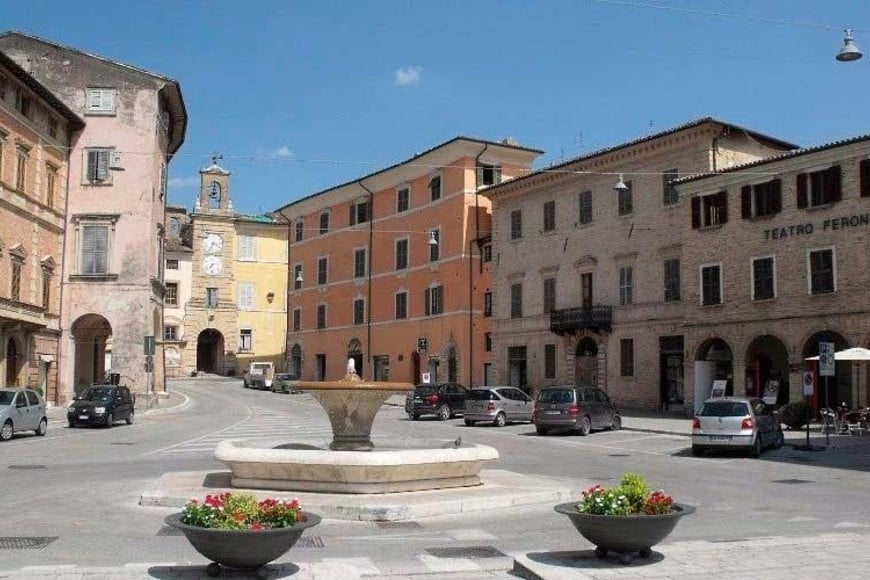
x=287 y=291
x=62 y=285
x=471 y=269
x=370 y=216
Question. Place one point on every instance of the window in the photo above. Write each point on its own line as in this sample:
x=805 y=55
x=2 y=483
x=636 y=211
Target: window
x=401 y=254
x=822 y=270
x=434 y=300
x=171 y=297
x=625 y=286
x=435 y=188
x=170 y=333
x=324 y=222
x=626 y=205
x=863 y=170
x=760 y=200
x=172 y=264
x=97 y=161
x=23 y=103
x=819 y=187
x=763 y=278
x=710 y=210
x=487 y=342
x=15 y=292
x=711 y=285
x=359 y=311
x=669 y=190
x=46 y=288
x=322 y=265
x=321 y=316
x=487 y=303
x=359 y=213
x=21 y=169
x=516 y=300
x=359 y=263
x=516 y=224
x=247 y=248
x=101 y=101
x=403 y=199
x=50 y=184
x=95 y=250
x=53 y=127
x=549 y=216
x=586 y=289
x=549 y=295
x=320 y=367
x=246 y=340
x=626 y=357
x=487 y=252
x=672 y=280
x=488 y=174
x=585 y=207
x=297 y=319
x=297 y=277
x=211 y=297
x=435 y=249
x=549 y=361
x=245 y=295
x=401 y=305
x=299 y=229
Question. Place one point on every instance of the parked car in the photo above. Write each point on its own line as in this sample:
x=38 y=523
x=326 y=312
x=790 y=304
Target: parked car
x=444 y=400
x=102 y=405
x=285 y=383
x=498 y=405
x=579 y=409
x=735 y=423
x=259 y=375
x=21 y=410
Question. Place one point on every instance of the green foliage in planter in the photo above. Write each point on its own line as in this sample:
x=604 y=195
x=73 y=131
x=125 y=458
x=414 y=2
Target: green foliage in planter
x=635 y=488
x=793 y=415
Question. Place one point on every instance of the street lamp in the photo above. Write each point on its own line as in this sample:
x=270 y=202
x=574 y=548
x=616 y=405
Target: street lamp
x=299 y=279
x=849 y=51
x=620 y=185
x=433 y=239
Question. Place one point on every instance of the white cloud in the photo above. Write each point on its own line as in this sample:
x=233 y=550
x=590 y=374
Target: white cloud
x=179 y=182
x=281 y=152
x=410 y=75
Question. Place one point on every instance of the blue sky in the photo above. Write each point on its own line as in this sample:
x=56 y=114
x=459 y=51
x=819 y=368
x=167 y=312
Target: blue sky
x=300 y=96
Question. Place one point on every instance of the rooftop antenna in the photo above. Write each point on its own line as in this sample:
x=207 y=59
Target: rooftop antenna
x=215 y=157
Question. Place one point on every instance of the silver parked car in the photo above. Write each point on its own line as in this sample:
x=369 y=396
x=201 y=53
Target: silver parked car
x=735 y=423
x=21 y=410
x=498 y=405
x=578 y=409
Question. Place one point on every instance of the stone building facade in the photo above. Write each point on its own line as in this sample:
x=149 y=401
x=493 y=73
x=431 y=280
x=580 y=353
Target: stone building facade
x=178 y=276
x=390 y=269
x=589 y=282
x=36 y=130
x=787 y=267
x=112 y=297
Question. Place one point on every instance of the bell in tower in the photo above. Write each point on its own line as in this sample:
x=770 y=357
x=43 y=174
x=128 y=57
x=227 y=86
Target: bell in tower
x=214 y=190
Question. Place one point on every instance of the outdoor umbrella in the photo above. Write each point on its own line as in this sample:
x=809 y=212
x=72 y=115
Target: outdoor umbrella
x=857 y=354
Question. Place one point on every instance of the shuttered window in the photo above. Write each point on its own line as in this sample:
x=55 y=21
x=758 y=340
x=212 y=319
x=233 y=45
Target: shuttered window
x=359 y=311
x=819 y=187
x=247 y=248
x=15 y=292
x=710 y=210
x=549 y=295
x=101 y=100
x=434 y=300
x=763 y=276
x=711 y=285
x=300 y=229
x=359 y=213
x=761 y=200
x=297 y=319
x=585 y=207
x=626 y=357
x=97 y=165
x=672 y=280
x=516 y=300
x=549 y=216
x=822 y=278
x=321 y=316
x=401 y=254
x=95 y=250
x=401 y=305
x=435 y=188
x=359 y=263
x=403 y=198
x=322 y=269
x=549 y=361
x=516 y=224
x=626 y=286
x=245 y=296
x=246 y=340
x=669 y=190
x=488 y=175
x=626 y=201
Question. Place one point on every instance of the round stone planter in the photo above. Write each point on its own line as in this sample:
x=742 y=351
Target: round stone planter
x=244 y=549
x=624 y=534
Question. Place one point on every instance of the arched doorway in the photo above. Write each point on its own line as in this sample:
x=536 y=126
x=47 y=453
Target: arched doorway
x=91 y=335
x=210 y=351
x=586 y=363
x=767 y=370
x=14 y=361
x=354 y=351
x=714 y=366
x=829 y=391
x=296 y=361
x=452 y=366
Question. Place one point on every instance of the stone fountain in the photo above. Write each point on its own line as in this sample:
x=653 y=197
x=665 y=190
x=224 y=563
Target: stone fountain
x=353 y=464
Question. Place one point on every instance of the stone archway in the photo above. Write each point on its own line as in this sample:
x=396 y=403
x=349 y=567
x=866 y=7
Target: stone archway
x=210 y=351
x=354 y=351
x=714 y=361
x=91 y=334
x=14 y=355
x=829 y=391
x=586 y=362
x=767 y=369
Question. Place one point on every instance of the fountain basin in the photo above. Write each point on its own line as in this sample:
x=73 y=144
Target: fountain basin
x=375 y=471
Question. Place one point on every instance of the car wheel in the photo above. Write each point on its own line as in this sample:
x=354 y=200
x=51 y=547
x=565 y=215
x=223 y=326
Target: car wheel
x=43 y=427
x=110 y=420
x=71 y=424
x=755 y=450
x=697 y=451
x=6 y=431
x=130 y=417
x=616 y=423
x=469 y=423
x=414 y=416
x=542 y=430
x=500 y=420
x=585 y=426
x=778 y=440
x=444 y=412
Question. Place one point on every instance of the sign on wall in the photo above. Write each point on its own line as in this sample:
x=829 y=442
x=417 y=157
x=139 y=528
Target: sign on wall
x=827 y=366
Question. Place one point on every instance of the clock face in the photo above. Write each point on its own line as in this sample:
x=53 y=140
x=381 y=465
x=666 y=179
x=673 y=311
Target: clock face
x=212 y=244
x=212 y=265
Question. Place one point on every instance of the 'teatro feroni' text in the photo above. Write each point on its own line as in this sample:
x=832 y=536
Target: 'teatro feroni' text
x=840 y=223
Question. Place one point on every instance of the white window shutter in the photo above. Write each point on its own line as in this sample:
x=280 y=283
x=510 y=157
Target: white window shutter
x=95 y=97
x=103 y=158
x=93 y=160
x=108 y=100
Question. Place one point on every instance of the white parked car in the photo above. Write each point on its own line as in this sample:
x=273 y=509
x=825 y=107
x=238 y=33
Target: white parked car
x=21 y=410
x=735 y=423
x=259 y=375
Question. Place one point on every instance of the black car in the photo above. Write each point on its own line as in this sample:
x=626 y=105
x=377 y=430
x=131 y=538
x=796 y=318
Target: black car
x=101 y=405
x=442 y=399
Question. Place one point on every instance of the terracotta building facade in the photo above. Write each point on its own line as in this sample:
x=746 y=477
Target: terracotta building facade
x=36 y=130
x=390 y=269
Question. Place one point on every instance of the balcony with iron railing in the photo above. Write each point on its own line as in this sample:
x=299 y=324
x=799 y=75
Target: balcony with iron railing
x=596 y=318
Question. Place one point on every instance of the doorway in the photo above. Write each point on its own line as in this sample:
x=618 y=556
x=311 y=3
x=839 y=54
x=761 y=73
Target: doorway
x=671 y=361
x=517 y=370
x=13 y=362
x=586 y=363
x=209 y=351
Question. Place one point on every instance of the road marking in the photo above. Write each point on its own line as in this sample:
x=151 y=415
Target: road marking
x=249 y=412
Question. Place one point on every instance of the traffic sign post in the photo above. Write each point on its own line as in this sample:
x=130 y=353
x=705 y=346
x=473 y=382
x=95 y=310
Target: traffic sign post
x=827 y=368
x=809 y=381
